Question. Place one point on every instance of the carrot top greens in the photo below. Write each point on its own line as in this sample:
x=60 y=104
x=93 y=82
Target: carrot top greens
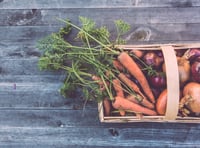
x=93 y=56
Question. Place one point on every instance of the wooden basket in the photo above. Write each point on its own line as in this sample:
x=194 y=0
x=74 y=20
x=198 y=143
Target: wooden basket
x=172 y=87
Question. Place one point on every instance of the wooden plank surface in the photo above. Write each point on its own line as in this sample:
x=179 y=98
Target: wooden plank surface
x=21 y=41
x=42 y=4
x=98 y=136
x=47 y=17
x=34 y=114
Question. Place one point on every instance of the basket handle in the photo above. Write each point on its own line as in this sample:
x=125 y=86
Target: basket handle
x=172 y=82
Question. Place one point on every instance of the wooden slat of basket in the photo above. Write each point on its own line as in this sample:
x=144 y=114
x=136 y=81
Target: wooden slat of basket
x=101 y=111
x=158 y=46
x=172 y=82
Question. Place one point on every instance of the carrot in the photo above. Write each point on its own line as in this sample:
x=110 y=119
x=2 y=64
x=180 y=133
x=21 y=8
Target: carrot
x=118 y=65
x=134 y=69
x=107 y=106
x=98 y=79
x=138 y=53
x=100 y=82
x=140 y=100
x=119 y=92
x=122 y=103
x=130 y=83
x=135 y=88
x=118 y=88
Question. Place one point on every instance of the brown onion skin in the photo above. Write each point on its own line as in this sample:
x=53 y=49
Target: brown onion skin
x=180 y=53
x=195 y=71
x=184 y=70
x=193 y=89
x=192 y=54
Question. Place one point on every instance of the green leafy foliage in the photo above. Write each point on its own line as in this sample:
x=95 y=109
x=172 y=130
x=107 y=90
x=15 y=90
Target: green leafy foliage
x=122 y=28
x=80 y=63
x=101 y=34
x=54 y=49
x=64 y=31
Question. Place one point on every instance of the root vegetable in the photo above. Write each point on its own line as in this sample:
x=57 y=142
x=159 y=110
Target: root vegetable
x=118 y=88
x=118 y=65
x=184 y=70
x=140 y=100
x=138 y=53
x=195 y=70
x=100 y=82
x=130 y=83
x=191 y=54
x=158 y=80
x=191 y=97
x=119 y=92
x=152 y=59
x=143 y=100
x=134 y=69
x=107 y=106
x=162 y=103
x=122 y=103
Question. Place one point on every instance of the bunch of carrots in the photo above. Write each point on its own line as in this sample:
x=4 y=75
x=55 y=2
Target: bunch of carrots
x=122 y=79
x=128 y=95
x=142 y=90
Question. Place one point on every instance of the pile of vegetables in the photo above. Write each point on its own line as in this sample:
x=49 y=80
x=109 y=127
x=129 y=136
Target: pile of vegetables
x=127 y=81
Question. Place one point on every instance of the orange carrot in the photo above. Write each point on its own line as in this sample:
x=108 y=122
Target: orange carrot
x=118 y=88
x=138 y=53
x=98 y=79
x=135 y=88
x=107 y=107
x=134 y=69
x=130 y=83
x=118 y=65
x=140 y=100
x=100 y=82
x=119 y=92
x=122 y=103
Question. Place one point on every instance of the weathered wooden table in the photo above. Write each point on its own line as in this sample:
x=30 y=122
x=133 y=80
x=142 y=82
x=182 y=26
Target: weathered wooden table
x=32 y=112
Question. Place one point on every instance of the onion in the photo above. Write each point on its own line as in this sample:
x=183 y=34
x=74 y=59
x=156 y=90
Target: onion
x=180 y=52
x=184 y=70
x=162 y=102
x=195 y=71
x=152 y=59
x=191 y=54
x=158 y=80
x=191 y=97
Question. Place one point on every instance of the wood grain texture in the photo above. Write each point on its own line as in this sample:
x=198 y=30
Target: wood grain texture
x=21 y=41
x=19 y=67
x=34 y=114
x=47 y=17
x=51 y=78
x=42 y=4
x=41 y=117
x=98 y=136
